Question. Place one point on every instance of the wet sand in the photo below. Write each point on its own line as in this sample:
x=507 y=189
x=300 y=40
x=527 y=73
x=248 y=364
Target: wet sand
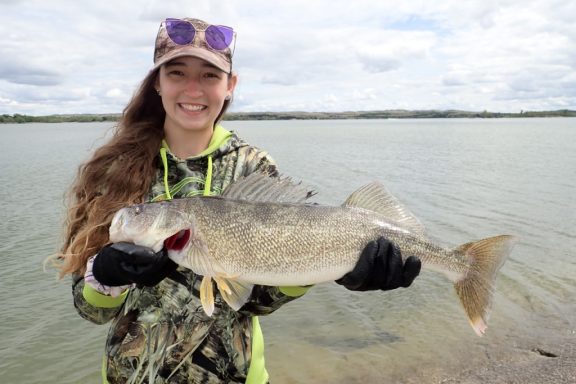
x=550 y=362
x=552 y=365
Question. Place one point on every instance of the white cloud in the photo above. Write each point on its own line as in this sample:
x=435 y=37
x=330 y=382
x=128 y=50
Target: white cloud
x=506 y=55
x=116 y=93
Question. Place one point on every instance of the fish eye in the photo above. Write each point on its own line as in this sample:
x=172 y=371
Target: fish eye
x=137 y=210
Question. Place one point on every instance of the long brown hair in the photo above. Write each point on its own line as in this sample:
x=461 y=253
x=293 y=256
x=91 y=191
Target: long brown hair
x=121 y=172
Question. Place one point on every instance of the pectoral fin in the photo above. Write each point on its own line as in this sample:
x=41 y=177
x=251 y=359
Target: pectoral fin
x=207 y=295
x=234 y=292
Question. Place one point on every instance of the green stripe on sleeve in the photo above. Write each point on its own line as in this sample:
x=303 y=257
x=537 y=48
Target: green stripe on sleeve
x=96 y=299
x=294 y=291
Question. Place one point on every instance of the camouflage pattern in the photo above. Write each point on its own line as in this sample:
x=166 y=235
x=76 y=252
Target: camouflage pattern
x=163 y=330
x=235 y=158
x=166 y=50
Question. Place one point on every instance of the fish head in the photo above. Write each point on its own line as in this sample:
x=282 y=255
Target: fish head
x=152 y=225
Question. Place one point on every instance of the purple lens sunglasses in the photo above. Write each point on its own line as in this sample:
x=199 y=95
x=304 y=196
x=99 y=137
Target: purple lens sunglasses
x=182 y=32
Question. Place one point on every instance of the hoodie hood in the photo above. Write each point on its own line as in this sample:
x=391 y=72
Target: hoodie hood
x=221 y=143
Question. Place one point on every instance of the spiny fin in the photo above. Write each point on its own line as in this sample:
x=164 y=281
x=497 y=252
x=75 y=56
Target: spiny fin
x=207 y=295
x=234 y=292
x=260 y=187
x=476 y=289
x=375 y=197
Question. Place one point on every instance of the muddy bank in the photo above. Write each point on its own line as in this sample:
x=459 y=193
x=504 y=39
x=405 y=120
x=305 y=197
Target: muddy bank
x=545 y=362
x=540 y=365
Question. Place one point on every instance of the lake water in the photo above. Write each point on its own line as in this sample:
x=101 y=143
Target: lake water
x=464 y=179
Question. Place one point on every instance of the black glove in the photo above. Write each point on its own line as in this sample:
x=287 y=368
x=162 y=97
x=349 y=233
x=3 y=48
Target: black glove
x=120 y=264
x=380 y=267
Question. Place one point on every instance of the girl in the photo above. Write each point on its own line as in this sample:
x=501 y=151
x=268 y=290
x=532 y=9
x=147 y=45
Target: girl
x=168 y=144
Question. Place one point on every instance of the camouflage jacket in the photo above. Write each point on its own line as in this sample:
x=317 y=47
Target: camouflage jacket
x=162 y=331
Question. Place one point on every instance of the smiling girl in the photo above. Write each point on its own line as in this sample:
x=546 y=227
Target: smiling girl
x=193 y=94
x=169 y=144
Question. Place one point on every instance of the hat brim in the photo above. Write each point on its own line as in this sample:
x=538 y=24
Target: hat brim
x=201 y=53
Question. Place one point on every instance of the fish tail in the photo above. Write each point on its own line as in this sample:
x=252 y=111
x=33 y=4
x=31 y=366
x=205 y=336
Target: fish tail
x=476 y=288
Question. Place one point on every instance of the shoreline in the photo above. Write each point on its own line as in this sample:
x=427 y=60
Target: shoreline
x=299 y=115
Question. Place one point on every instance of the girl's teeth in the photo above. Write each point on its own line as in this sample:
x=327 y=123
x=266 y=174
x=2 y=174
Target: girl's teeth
x=189 y=107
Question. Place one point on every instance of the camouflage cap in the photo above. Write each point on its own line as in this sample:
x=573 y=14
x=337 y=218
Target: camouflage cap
x=166 y=49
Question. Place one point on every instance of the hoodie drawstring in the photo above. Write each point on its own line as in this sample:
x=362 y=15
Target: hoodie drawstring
x=207 y=181
x=165 y=164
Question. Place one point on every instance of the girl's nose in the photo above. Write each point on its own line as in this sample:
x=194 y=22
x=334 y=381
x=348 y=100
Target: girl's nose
x=193 y=88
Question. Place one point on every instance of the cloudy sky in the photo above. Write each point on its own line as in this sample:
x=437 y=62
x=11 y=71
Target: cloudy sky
x=77 y=56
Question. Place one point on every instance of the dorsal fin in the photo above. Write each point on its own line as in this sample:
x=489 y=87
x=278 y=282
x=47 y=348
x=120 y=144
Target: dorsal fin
x=262 y=188
x=375 y=197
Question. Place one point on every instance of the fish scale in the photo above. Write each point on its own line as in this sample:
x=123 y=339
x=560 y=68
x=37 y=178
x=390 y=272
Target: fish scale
x=261 y=231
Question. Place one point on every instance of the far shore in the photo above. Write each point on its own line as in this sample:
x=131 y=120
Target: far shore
x=298 y=115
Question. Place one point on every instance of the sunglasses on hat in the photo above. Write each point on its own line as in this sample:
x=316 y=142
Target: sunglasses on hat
x=182 y=32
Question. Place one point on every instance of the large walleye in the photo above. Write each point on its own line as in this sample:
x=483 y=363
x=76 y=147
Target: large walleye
x=261 y=231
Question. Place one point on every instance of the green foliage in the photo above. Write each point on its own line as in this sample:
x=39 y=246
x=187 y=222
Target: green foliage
x=390 y=114
x=82 y=118
x=387 y=114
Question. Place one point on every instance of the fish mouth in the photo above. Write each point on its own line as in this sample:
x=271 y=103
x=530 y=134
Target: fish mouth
x=177 y=241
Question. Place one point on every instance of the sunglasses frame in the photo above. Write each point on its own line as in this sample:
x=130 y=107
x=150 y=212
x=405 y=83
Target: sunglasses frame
x=231 y=45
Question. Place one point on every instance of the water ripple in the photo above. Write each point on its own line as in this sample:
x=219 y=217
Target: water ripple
x=464 y=179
